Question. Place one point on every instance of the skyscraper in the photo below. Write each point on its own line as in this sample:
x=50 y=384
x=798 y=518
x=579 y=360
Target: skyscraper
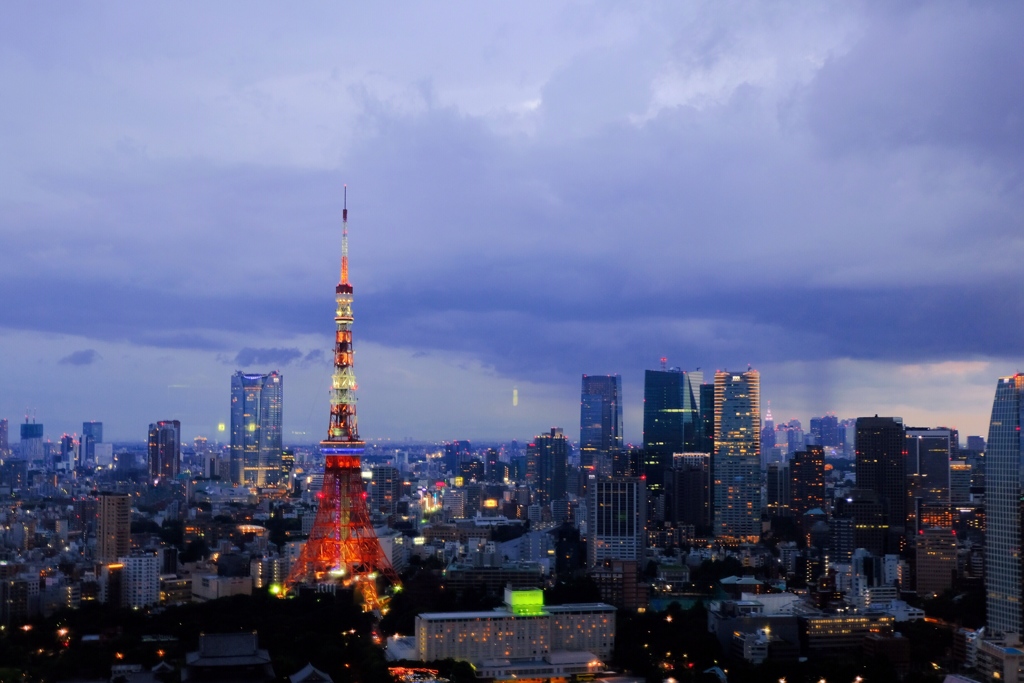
x=707 y=417
x=807 y=470
x=1003 y=472
x=824 y=431
x=881 y=467
x=31 y=446
x=687 y=490
x=455 y=453
x=113 y=529
x=164 y=449
x=737 y=456
x=671 y=420
x=5 y=445
x=69 y=452
x=92 y=434
x=778 y=489
x=929 y=455
x=615 y=519
x=385 y=489
x=600 y=420
x=546 y=459
x=256 y=408
x=767 y=438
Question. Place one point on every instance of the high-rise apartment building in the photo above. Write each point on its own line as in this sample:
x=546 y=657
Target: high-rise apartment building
x=1003 y=472
x=140 y=580
x=113 y=526
x=615 y=519
x=5 y=444
x=737 y=457
x=546 y=460
x=881 y=467
x=256 y=413
x=164 y=449
x=600 y=421
x=671 y=420
x=92 y=434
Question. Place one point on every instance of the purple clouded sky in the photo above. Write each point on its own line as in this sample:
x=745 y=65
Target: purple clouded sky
x=829 y=192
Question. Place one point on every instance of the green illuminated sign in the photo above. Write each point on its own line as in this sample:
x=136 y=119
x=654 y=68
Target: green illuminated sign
x=526 y=602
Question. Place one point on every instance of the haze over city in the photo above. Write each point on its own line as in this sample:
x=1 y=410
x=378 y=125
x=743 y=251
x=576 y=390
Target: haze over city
x=828 y=192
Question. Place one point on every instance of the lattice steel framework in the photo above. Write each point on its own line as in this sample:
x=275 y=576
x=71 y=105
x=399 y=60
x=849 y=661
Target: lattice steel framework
x=343 y=548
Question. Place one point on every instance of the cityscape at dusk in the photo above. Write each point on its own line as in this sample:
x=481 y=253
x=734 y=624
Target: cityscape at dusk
x=688 y=337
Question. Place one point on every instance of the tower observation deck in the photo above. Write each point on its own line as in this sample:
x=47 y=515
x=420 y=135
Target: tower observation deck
x=343 y=549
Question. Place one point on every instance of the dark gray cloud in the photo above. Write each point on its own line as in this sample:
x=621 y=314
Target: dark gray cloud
x=935 y=74
x=723 y=187
x=277 y=357
x=315 y=356
x=83 y=357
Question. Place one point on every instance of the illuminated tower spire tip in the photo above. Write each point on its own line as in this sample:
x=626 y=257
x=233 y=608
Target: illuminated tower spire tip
x=344 y=238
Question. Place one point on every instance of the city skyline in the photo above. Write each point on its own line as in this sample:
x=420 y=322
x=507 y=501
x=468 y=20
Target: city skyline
x=500 y=182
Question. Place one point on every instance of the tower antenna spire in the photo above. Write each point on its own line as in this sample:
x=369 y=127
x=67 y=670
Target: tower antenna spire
x=344 y=239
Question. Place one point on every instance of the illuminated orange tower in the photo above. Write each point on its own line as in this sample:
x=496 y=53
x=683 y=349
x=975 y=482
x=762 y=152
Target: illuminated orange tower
x=342 y=548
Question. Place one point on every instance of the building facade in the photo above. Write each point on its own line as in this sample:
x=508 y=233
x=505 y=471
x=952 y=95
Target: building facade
x=524 y=629
x=688 y=491
x=736 y=464
x=31 y=447
x=164 y=449
x=140 y=582
x=615 y=519
x=1003 y=472
x=114 y=527
x=881 y=467
x=600 y=420
x=256 y=409
x=385 y=489
x=546 y=461
x=92 y=434
x=672 y=421
x=807 y=469
x=929 y=456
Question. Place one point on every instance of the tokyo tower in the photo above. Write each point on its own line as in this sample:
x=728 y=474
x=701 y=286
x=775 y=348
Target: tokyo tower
x=343 y=548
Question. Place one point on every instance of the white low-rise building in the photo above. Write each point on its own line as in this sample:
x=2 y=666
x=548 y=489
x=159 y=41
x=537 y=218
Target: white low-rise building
x=211 y=587
x=524 y=629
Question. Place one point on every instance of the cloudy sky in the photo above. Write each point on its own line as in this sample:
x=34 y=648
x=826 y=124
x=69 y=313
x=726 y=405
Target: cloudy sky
x=830 y=192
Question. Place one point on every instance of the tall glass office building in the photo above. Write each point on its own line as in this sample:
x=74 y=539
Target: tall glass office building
x=1004 y=468
x=256 y=402
x=600 y=420
x=92 y=434
x=672 y=421
x=736 y=464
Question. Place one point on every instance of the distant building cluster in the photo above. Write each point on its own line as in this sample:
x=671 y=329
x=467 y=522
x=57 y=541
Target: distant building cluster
x=833 y=533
